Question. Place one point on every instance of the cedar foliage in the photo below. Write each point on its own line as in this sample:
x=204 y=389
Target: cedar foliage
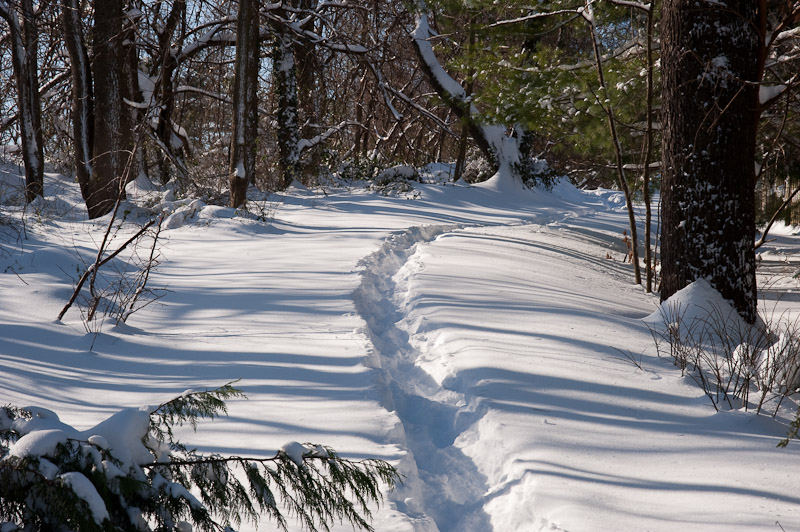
x=179 y=486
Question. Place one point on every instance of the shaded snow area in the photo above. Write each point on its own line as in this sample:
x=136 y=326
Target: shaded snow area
x=473 y=337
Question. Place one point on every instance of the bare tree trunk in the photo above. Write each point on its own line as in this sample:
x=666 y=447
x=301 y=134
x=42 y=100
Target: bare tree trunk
x=138 y=164
x=648 y=152
x=113 y=127
x=284 y=72
x=24 y=45
x=709 y=116
x=82 y=95
x=245 y=102
x=166 y=92
x=612 y=127
x=310 y=101
x=461 y=157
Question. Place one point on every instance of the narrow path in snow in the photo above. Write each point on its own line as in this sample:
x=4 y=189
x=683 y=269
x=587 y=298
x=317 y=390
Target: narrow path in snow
x=443 y=490
x=502 y=351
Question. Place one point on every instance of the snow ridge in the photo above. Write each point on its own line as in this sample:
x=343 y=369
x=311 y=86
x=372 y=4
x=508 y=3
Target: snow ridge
x=443 y=489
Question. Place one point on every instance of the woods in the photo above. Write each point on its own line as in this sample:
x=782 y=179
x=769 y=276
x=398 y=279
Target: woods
x=215 y=97
x=428 y=232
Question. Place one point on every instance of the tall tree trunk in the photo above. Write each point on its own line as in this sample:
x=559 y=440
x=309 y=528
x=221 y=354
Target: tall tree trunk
x=649 y=265
x=82 y=95
x=113 y=126
x=245 y=102
x=449 y=90
x=461 y=156
x=132 y=91
x=710 y=54
x=166 y=93
x=24 y=45
x=284 y=71
x=622 y=180
x=501 y=150
x=310 y=101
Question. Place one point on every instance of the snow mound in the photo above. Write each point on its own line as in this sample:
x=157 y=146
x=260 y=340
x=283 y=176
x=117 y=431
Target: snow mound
x=295 y=451
x=83 y=488
x=693 y=303
x=394 y=173
x=182 y=213
x=38 y=443
x=503 y=182
x=777 y=367
x=700 y=313
x=122 y=433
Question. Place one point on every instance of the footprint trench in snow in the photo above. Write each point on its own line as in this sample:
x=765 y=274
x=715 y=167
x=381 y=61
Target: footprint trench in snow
x=443 y=489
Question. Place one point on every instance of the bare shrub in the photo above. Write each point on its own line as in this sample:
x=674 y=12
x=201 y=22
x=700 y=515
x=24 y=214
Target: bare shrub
x=112 y=288
x=736 y=364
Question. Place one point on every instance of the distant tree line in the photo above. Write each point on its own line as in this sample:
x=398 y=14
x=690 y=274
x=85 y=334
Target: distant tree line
x=218 y=96
x=212 y=95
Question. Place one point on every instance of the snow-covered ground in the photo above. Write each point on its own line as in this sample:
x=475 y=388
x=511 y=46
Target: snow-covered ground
x=473 y=336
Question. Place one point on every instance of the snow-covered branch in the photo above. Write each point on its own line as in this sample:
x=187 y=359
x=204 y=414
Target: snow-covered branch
x=496 y=145
x=382 y=86
x=534 y=16
x=420 y=109
x=213 y=36
x=769 y=94
x=215 y=95
x=629 y=3
x=305 y=144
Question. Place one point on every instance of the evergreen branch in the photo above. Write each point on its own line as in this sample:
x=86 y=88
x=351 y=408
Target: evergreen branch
x=190 y=407
x=316 y=488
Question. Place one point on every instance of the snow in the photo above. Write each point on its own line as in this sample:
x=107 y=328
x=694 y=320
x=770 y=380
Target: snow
x=38 y=443
x=693 y=303
x=767 y=93
x=84 y=489
x=122 y=432
x=295 y=451
x=472 y=336
x=48 y=469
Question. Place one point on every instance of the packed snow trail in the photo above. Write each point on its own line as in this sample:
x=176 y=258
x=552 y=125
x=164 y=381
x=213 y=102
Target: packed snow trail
x=268 y=303
x=443 y=485
x=510 y=447
x=525 y=329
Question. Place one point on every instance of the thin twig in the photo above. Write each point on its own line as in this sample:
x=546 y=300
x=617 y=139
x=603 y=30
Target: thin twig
x=92 y=269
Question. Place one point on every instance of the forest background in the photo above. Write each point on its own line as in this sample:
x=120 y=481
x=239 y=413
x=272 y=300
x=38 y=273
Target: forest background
x=693 y=99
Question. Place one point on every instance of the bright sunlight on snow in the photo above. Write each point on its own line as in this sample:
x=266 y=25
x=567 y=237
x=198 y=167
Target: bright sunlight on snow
x=488 y=342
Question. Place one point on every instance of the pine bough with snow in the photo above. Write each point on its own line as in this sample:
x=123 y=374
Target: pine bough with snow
x=131 y=473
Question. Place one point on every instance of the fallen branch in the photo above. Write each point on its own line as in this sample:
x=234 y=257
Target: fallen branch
x=98 y=263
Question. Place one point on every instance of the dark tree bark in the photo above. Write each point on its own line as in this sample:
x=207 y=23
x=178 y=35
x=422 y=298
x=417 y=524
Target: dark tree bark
x=166 y=91
x=710 y=54
x=24 y=46
x=284 y=73
x=311 y=97
x=82 y=95
x=461 y=157
x=245 y=102
x=130 y=74
x=113 y=127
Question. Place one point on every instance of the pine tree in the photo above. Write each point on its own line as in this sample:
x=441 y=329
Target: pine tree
x=131 y=473
x=709 y=117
